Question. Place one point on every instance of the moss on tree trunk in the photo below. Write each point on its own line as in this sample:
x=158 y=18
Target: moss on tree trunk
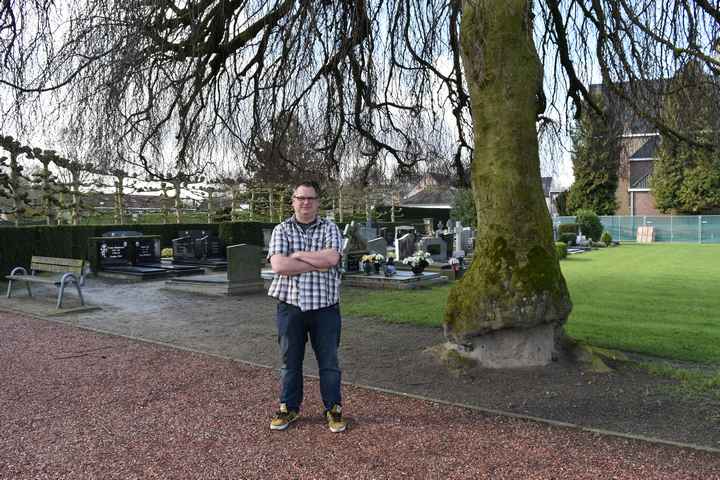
x=514 y=280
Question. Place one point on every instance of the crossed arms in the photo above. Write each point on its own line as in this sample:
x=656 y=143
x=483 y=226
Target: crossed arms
x=301 y=262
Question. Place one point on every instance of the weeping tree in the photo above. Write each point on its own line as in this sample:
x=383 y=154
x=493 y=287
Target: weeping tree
x=374 y=74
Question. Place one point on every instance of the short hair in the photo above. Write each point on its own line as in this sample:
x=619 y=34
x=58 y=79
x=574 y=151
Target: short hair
x=309 y=183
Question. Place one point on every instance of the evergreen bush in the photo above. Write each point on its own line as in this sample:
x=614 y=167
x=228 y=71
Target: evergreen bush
x=561 y=249
x=606 y=238
x=568 y=238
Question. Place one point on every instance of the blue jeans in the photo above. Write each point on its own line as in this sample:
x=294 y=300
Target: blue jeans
x=323 y=327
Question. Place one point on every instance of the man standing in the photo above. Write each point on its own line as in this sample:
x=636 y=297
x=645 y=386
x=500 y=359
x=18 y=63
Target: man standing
x=304 y=253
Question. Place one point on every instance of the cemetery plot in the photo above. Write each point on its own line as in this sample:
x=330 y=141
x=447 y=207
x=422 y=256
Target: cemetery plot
x=199 y=248
x=242 y=277
x=118 y=256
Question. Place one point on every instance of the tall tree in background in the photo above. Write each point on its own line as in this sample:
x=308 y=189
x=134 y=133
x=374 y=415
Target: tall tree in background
x=595 y=160
x=686 y=172
x=374 y=71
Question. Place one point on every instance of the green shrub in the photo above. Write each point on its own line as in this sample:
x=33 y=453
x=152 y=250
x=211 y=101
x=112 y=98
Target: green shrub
x=606 y=238
x=568 y=239
x=589 y=224
x=568 y=228
x=561 y=250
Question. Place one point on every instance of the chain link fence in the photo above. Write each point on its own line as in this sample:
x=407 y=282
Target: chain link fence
x=668 y=228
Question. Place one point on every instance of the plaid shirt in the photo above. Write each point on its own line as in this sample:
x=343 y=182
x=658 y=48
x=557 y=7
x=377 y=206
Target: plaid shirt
x=309 y=290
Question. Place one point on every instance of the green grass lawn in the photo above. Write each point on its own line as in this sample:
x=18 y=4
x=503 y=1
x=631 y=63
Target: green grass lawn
x=661 y=300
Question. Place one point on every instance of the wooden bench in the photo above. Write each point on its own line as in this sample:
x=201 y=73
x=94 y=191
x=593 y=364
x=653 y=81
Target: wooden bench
x=50 y=270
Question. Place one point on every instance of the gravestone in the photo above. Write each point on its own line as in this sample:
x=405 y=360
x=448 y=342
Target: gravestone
x=199 y=247
x=468 y=239
x=458 y=248
x=436 y=247
x=354 y=247
x=244 y=269
x=402 y=230
x=449 y=239
x=183 y=249
x=267 y=234
x=404 y=246
x=147 y=250
x=209 y=247
x=378 y=245
x=367 y=232
x=113 y=252
x=428 y=224
x=129 y=257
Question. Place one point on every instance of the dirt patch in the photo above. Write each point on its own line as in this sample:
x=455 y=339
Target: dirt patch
x=78 y=405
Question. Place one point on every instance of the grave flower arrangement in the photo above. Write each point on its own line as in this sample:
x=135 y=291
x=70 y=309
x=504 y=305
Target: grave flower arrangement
x=418 y=261
x=372 y=262
x=455 y=263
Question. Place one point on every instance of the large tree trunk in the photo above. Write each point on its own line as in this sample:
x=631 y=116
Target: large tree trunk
x=514 y=284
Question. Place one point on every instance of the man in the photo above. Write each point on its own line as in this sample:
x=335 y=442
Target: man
x=304 y=253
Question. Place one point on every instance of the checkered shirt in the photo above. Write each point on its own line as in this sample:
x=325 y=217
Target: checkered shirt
x=309 y=290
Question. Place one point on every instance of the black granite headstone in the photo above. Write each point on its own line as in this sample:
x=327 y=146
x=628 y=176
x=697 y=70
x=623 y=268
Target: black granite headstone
x=184 y=249
x=113 y=251
x=147 y=250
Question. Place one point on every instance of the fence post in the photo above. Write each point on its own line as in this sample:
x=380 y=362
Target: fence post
x=672 y=235
x=699 y=228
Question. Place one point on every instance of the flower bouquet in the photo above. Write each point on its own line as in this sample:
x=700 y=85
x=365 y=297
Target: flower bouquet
x=418 y=261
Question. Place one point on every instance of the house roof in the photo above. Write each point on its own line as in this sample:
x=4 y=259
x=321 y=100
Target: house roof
x=645 y=92
x=432 y=197
x=647 y=150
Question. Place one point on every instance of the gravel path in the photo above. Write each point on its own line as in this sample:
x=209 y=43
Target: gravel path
x=76 y=404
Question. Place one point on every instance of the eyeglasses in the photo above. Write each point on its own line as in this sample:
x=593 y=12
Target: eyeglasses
x=304 y=199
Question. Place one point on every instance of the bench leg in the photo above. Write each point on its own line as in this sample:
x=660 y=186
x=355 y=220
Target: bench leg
x=10 y=285
x=60 y=294
x=82 y=300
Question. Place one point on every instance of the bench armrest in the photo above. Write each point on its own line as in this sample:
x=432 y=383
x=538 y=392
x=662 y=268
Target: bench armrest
x=68 y=276
x=20 y=270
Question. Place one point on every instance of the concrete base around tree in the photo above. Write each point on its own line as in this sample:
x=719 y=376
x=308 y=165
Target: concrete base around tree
x=513 y=348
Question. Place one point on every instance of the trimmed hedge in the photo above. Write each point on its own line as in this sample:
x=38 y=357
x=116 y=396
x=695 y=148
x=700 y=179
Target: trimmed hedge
x=568 y=228
x=568 y=238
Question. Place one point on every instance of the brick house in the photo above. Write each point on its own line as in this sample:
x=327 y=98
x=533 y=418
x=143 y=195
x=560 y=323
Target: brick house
x=639 y=141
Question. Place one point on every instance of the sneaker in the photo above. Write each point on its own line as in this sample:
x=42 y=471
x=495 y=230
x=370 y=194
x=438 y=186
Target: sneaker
x=334 y=419
x=283 y=418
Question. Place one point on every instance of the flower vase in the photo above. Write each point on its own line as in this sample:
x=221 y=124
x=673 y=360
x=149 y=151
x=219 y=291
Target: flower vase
x=376 y=267
x=417 y=269
x=389 y=270
x=367 y=268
